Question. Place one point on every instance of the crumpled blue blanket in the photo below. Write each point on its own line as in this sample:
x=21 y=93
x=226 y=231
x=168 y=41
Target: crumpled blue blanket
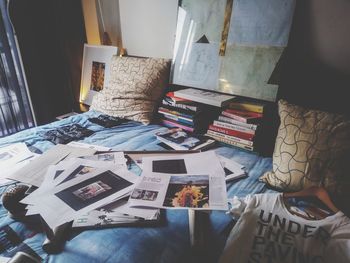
x=166 y=243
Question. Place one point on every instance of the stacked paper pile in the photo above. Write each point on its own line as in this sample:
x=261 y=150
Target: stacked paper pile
x=74 y=188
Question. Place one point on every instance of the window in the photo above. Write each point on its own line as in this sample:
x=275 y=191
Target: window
x=15 y=108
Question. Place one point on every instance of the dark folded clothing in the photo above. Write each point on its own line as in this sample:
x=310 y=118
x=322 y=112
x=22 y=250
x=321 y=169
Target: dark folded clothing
x=107 y=121
x=67 y=134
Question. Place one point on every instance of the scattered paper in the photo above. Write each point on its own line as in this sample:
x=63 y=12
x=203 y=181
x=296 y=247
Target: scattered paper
x=117 y=158
x=115 y=213
x=14 y=168
x=90 y=190
x=33 y=173
x=74 y=171
x=83 y=194
x=81 y=168
x=12 y=159
x=233 y=170
x=13 y=154
x=90 y=146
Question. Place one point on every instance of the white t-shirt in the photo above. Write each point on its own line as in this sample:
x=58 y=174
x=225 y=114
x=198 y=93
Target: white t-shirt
x=267 y=232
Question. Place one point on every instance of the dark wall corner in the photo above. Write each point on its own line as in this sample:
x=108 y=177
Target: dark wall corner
x=51 y=36
x=316 y=73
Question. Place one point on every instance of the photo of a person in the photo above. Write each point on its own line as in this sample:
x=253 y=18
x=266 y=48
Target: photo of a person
x=188 y=196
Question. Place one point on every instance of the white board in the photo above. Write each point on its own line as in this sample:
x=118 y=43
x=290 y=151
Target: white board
x=148 y=27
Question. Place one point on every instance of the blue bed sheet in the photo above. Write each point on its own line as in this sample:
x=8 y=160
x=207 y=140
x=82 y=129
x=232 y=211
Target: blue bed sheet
x=166 y=243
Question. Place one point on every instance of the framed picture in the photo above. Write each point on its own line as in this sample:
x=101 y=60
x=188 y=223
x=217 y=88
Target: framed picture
x=95 y=70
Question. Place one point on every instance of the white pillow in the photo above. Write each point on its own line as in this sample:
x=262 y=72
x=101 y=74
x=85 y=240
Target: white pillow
x=134 y=89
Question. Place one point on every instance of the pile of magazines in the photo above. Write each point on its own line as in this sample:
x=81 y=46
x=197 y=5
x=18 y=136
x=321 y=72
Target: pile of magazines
x=189 y=115
x=75 y=183
x=91 y=190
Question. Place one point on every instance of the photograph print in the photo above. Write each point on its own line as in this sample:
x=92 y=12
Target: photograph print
x=92 y=190
x=147 y=195
x=5 y=156
x=188 y=191
x=95 y=70
x=97 y=75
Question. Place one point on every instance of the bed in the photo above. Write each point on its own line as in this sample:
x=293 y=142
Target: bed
x=169 y=242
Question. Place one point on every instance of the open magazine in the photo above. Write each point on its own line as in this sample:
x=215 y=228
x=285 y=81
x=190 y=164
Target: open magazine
x=178 y=139
x=195 y=181
x=12 y=158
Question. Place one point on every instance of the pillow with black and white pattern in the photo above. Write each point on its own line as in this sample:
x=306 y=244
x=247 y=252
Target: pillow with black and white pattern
x=312 y=148
x=135 y=88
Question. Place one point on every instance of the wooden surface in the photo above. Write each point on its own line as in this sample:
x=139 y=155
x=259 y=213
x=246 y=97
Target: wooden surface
x=227 y=19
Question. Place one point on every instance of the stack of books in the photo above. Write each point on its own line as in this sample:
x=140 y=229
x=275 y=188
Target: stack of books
x=188 y=113
x=238 y=124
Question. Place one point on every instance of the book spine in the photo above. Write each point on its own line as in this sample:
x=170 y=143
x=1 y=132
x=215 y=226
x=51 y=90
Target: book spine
x=178 y=119
x=176 y=99
x=246 y=107
x=230 y=142
x=242 y=113
x=177 y=113
x=230 y=137
x=179 y=105
x=242 y=135
x=176 y=124
x=235 y=122
x=233 y=127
